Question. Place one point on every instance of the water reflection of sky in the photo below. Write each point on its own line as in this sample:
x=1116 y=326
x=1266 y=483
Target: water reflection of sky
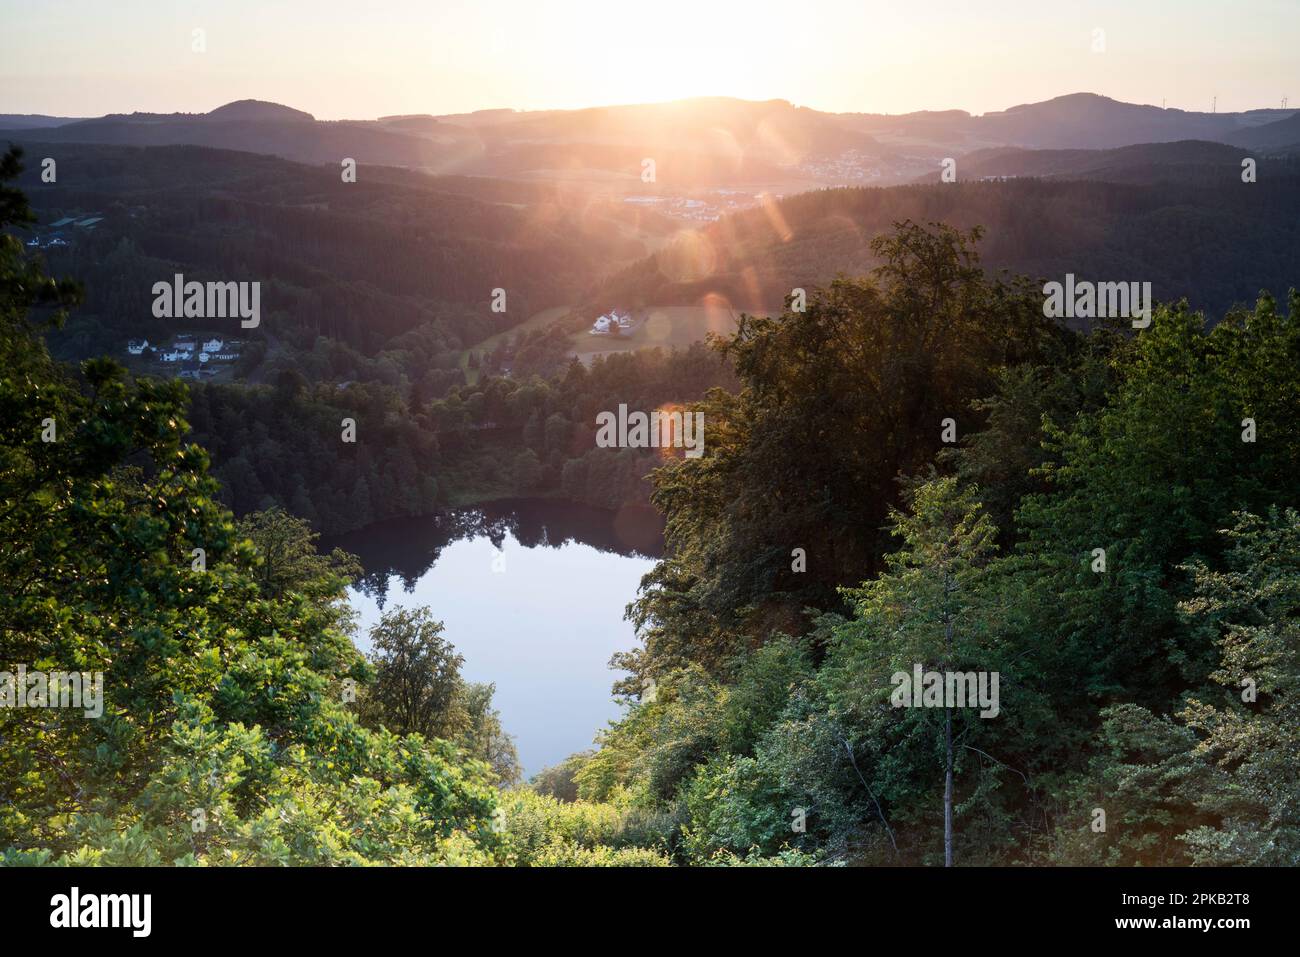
x=540 y=622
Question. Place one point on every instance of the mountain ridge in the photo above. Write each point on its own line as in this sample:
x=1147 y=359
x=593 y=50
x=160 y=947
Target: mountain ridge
x=773 y=130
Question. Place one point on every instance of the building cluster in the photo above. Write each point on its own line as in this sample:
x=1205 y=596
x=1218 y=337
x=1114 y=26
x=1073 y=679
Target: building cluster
x=57 y=233
x=710 y=208
x=612 y=324
x=191 y=353
x=850 y=166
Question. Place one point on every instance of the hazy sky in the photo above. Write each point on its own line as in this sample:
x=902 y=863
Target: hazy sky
x=366 y=58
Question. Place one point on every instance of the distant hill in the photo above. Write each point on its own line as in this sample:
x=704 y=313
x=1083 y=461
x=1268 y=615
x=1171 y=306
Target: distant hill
x=255 y=127
x=422 y=123
x=258 y=110
x=729 y=141
x=1283 y=135
x=34 y=121
x=1088 y=121
x=772 y=129
x=1185 y=161
x=362 y=263
x=1215 y=244
x=1074 y=121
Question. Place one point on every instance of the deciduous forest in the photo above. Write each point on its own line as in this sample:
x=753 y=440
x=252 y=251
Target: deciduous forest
x=913 y=470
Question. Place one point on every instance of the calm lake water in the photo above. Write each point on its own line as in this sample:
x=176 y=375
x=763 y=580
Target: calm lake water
x=532 y=594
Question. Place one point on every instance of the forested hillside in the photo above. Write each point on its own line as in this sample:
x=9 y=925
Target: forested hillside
x=1184 y=162
x=505 y=436
x=224 y=734
x=376 y=293
x=394 y=254
x=1112 y=532
x=916 y=472
x=233 y=720
x=372 y=291
x=1233 y=239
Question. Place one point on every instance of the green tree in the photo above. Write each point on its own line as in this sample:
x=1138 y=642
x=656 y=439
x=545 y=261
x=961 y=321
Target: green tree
x=527 y=470
x=559 y=781
x=1149 y=479
x=289 y=560
x=417 y=684
x=931 y=609
x=484 y=738
x=836 y=402
x=1249 y=732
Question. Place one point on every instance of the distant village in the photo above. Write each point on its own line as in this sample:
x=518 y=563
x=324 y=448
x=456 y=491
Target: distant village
x=717 y=204
x=190 y=354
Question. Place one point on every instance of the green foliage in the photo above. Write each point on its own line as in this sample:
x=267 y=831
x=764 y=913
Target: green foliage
x=542 y=831
x=417 y=680
x=759 y=691
x=656 y=747
x=933 y=607
x=836 y=402
x=1253 y=607
x=786 y=858
x=283 y=447
x=286 y=546
x=1120 y=679
x=573 y=855
x=737 y=805
x=560 y=780
x=505 y=436
x=224 y=736
x=1141 y=777
x=417 y=688
x=484 y=737
x=1217 y=784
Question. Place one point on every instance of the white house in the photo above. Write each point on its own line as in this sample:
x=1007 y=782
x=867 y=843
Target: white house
x=615 y=321
x=137 y=346
x=213 y=345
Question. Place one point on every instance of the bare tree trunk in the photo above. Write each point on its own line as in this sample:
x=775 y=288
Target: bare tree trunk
x=947 y=734
x=947 y=791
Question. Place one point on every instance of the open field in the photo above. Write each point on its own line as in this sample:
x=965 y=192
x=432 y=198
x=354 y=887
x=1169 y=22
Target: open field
x=665 y=326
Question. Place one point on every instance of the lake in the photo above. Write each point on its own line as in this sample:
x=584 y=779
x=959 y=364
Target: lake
x=532 y=593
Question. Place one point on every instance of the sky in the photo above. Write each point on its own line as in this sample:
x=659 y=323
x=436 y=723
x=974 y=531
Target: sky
x=365 y=58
